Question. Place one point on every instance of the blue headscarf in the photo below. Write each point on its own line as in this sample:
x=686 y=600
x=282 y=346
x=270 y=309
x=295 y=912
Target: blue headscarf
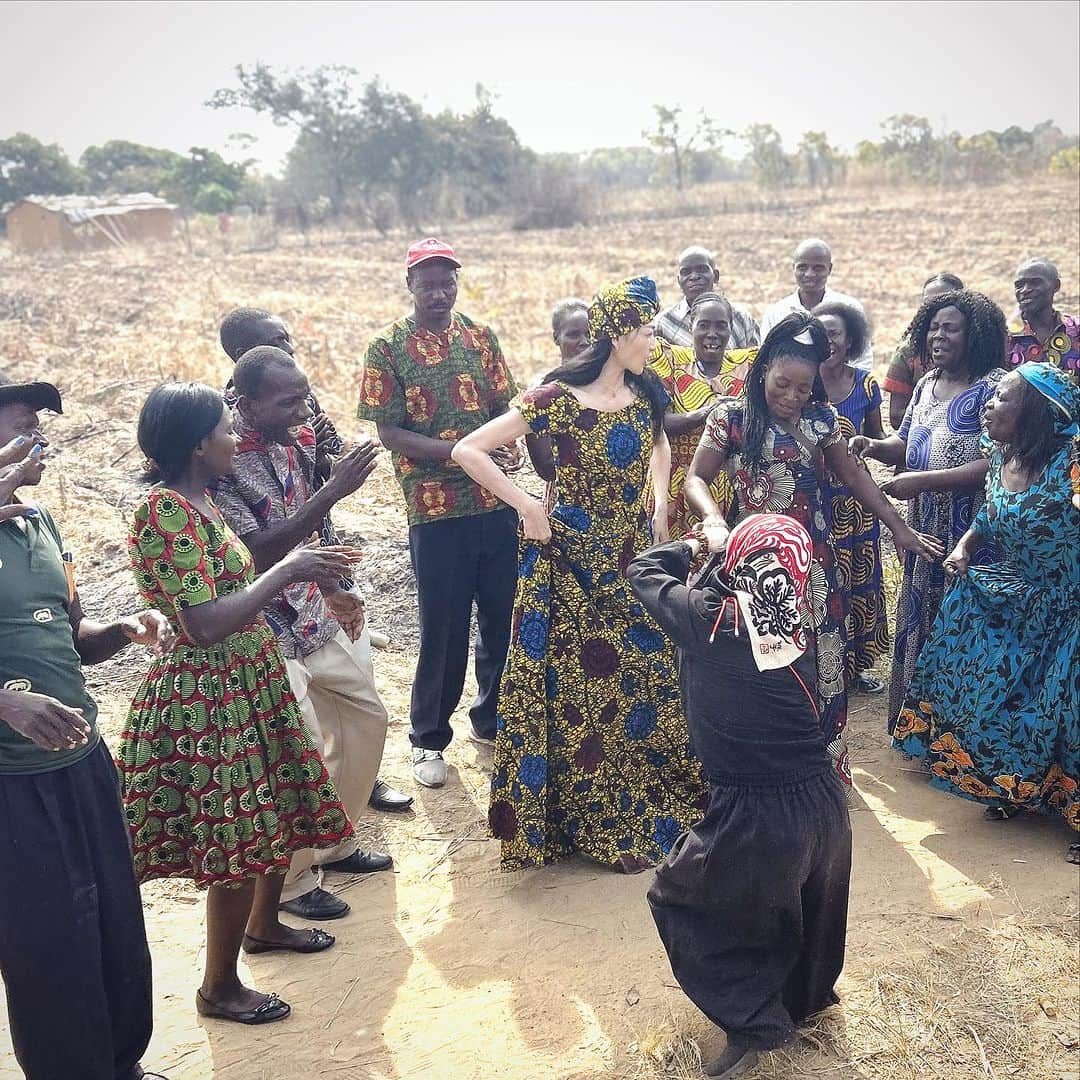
x=1060 y=390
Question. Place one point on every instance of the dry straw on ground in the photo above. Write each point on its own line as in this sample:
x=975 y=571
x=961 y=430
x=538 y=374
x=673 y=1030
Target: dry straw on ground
x=985 y=1002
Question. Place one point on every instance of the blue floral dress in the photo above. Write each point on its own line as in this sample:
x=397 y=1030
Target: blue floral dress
x=939 y=435
x=994 y=704
x=593 y=752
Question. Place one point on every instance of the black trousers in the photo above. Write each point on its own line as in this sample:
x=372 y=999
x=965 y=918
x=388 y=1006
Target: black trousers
x=73 y=949
x=457 y=562
x=751 y=905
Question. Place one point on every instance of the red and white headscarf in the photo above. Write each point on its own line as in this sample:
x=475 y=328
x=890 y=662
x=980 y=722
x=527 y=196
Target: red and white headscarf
x=767 y=565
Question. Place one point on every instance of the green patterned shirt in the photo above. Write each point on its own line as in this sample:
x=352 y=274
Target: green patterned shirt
x=442 y=385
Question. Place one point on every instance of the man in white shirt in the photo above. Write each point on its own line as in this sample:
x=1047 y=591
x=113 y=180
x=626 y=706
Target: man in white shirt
x=813 y=265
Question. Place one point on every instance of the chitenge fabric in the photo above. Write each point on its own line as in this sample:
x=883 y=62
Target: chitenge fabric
x=793 y=481
x=271 y=483
x=592 y=752
x=677 y=370
x=938 y=435
x=443 y=385
x=220 y=780
x=868 y=625
x=619 y=309
x=994 y=704
x=1061 y=348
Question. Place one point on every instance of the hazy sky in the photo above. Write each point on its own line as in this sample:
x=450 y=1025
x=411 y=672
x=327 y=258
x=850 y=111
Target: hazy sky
x=569 y=76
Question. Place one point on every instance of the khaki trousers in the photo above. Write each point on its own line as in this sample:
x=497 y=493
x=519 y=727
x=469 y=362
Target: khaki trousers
x=335 y=688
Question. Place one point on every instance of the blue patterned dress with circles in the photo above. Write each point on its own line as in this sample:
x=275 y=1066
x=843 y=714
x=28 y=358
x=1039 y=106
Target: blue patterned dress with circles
x=939 y=435
x=593 y=752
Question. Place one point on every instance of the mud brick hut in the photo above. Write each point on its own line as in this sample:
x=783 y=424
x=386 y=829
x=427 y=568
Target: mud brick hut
x=84 y=222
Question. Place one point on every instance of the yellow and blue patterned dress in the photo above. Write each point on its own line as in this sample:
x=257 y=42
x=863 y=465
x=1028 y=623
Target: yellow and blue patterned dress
x=994 y=704
x=593 y=752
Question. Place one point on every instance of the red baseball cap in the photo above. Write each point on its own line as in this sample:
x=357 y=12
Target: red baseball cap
x=430 y=248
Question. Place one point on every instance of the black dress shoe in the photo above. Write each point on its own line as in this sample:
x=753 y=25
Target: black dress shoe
x=361 y=862
x=317 y=905
x=384 y=797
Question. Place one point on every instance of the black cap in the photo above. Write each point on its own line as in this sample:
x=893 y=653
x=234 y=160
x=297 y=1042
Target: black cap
x=38 y=395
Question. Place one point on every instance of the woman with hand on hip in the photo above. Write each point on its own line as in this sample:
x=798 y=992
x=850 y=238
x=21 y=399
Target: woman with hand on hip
x=593 y=753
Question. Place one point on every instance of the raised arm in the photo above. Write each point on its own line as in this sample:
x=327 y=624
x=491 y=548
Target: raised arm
x=862 y=486
x=213 y=621
x=658 y=578
x=270 y=545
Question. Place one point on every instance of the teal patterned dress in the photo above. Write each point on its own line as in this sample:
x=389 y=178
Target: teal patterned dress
x=994 y=704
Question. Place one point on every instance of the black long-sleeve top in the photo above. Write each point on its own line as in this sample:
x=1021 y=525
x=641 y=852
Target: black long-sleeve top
x=746 y=725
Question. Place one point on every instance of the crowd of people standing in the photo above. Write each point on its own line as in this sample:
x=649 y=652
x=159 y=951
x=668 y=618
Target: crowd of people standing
x=665 y=642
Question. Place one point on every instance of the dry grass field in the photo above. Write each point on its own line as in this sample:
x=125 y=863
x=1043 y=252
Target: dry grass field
x=962 y=960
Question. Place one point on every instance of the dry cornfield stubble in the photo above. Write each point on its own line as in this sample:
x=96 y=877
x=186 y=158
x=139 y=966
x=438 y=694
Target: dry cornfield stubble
x=962 y=951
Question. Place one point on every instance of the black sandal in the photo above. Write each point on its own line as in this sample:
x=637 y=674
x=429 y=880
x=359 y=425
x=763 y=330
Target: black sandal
x=271 y=1010
x=317 y=941
x=1002 y=813
x=1073 y=854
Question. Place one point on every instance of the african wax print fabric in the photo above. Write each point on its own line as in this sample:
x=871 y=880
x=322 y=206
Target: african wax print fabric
x=905 y=369
x=675 y=327
x=220 y=780
x=592 y=752
x=939 y=435
x=442 y=385
x=618 y=309
x=1061 y=348
x=793 y=482
x=272 y=482
x=689 y=391
x=868 y=623
x=994 y=705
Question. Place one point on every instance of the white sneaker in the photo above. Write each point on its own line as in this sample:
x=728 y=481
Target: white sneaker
x=428 y=767
x=476 y=737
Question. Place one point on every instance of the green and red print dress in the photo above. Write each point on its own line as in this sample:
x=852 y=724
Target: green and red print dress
x=592 y=753
x=220 y=781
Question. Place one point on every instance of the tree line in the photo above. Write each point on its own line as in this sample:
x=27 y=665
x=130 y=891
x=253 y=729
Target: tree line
x=362 y=150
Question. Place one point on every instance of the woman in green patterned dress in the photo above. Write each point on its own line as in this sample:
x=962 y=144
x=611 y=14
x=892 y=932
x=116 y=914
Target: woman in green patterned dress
x=593 y=753
x=220 y=781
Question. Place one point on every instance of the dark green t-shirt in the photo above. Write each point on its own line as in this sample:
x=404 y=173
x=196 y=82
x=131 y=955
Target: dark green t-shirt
x=37 y=648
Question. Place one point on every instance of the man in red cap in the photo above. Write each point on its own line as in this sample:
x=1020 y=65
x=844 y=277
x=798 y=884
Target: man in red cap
x=429 y=379
x=73 y=950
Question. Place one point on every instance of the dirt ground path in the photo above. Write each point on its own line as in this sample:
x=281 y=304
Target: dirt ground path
x=448 y=969
x=962 y=934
